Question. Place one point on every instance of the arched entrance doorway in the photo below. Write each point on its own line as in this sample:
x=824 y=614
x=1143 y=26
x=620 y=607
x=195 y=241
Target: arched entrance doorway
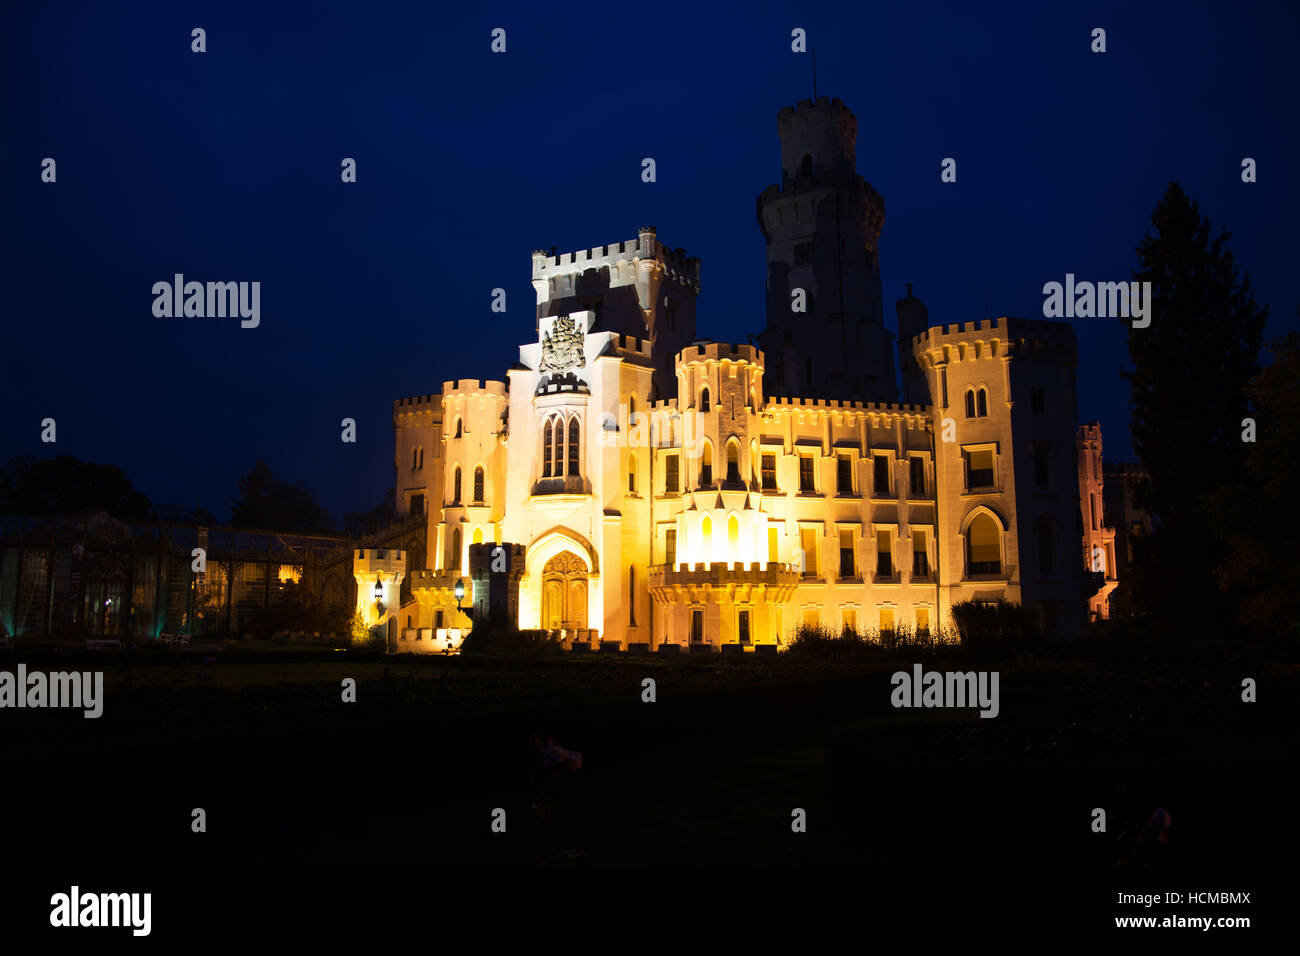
x=564 y=592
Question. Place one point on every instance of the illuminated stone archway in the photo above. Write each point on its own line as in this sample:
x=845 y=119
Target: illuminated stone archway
x=564 y=592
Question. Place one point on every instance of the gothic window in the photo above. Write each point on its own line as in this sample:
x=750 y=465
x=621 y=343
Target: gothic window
x=573 y=446
x=631 y=474
x=454 y=557
x=704 y=400
x=706 y=466
x=559 y=448
x=460 y=428
x=970 y=403
x=982 y=403
x=733 y=463
x=983 y=546
x=546 y=451
x=455 y=485
x=769 y=472
x=478 y=486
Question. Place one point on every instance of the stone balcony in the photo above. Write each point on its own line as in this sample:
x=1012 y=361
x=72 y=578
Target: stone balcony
x=723 y=581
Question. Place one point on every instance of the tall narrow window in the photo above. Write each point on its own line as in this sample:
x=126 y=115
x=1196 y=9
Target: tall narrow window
x=460 y=428
x=848 y=566
x=844 y=474
x=733 y=538
x=631 y=596
x=670 y=547
x=807 y=485
x=979 y=469
x=733 y=463
x=982 y=403
x=546 y=451
x=706 y=536
x=631 y=474
x=421 y=465
x=922 y=622
x=1045 y=562
x=455 y=550
x=478 y=486
x=415 y=458
x=1042 y=465
x=808 y=543
x=455 y=486
x=671 y=478
x=881 y=463
x=773 y=554
x=769 y=472
x=706 y=466
x=920 y=555
x=1092 y=502
x=417 y=504
x=983 y=546
x=884 y=554
x=704 y=400
x=697 y=625
x=970 y=403
x=742 y=626
x=918 y=476
x=573 y=446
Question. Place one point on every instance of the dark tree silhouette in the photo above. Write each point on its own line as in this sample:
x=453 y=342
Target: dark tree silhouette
x=64 y=485
x=1258 y=517
x=1191 y=369
x=357 y=524
x=264 y=501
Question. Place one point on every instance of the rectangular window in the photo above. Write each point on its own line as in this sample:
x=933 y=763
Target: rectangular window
x=848 y=568
x=671 y=477
x=844 y=474
x=670 y=547
x=886 y=622
x=811 y=617
x=808 y=542
x=1042 y=465
x=884 y=554
x=922 y=622
x=417 y=504
x=918 y=476
x=881 y=476
x=769 y=472
x=772 y=552
x=920 y=557
x=849 y=618
x=742 y=627
x=697 y=626
x=979 y=469
x=1092 y=501
x=806 y=474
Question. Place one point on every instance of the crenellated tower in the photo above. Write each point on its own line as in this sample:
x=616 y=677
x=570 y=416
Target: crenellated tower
x=825 y=334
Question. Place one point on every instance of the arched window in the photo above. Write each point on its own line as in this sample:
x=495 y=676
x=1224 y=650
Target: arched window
x=983 y=546
x=559 y=448
x=733 y=462
x=706 y=539
x=460 y=428
x=704 y=400
x=706 y=466
x=546 y=450
x=455 y=486
x=1045 y=562
x=982 y=401
x=631 y=474
x=970 y=403
x=478 y=536
x=454 y=557
x=478 y=485
x=573 y=445
x=733 y=537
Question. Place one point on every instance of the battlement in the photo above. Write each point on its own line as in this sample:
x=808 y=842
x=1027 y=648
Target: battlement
x=678 y=263
x=826 y=108
x=409 y=404
x=471 y=386
x=785 y=403
x=632 y=344
x=1090 y=431
x=719 y=352
x=664 y=405
x=1040 y=330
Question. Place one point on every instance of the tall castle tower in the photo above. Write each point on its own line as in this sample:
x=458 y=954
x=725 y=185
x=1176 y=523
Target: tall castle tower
x=822 y=225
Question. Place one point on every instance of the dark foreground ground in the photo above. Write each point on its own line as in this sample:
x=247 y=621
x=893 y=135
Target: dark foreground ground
x=932 y=810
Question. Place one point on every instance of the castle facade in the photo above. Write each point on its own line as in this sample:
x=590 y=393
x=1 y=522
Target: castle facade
x=651 y=487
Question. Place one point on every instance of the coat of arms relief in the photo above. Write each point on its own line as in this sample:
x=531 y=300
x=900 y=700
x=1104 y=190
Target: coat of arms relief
x=562 y=346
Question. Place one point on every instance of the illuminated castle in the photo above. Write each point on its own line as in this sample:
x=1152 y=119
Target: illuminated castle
x=657 y=488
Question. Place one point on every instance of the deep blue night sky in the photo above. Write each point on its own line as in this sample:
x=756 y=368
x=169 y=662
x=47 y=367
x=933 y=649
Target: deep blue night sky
x=225 y=166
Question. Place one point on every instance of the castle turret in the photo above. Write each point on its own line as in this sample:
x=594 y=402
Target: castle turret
x=825 y=333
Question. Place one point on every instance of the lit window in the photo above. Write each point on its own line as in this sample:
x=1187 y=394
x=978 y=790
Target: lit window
x=983 y=546
x=478 y=486
x=979 y=469
x=573 y=446
x=769 y=472
x=806 y=482
x=671 y=479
